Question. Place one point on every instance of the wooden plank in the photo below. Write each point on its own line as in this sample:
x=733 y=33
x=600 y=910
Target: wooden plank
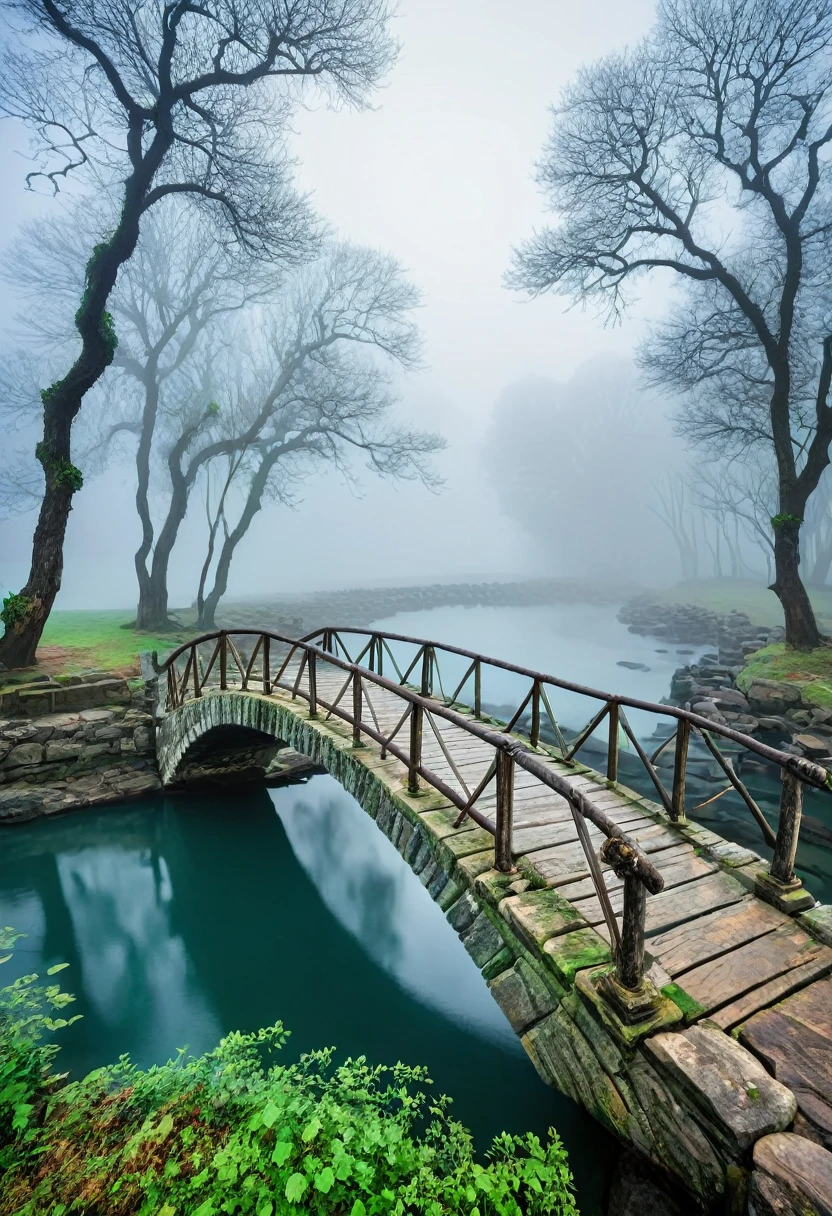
x=723 y=980
x=798 y=1056
x=682 y=900
x=586 y=887
x=713 y=934
x=772 y=991
x=813 y=1007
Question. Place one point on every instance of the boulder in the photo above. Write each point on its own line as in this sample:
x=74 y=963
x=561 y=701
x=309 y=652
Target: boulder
x=773 y=696
x=812 y=744
x=792 y=1176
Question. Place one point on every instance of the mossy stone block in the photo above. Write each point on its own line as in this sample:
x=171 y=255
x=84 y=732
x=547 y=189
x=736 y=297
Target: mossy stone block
x=573 y=952
x=539 y=915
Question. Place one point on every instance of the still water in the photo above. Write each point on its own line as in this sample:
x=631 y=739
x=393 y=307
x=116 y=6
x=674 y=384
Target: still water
x=183 y=918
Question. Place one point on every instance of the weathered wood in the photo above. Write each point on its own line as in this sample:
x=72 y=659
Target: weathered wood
x=788 y=827
x=357 y=708
x=771 y=992
x=680 y=767
x=223 y=660
x=612 y=744
x=415 y=753
x=713 y=934
x=739 y=786
x=645 y=760
x=581 y=738
x=477 y=688
x=313 y=685
x=503 y=859
x=534 y=733
x=717 y=983
x=629 y=963
x=267 y=685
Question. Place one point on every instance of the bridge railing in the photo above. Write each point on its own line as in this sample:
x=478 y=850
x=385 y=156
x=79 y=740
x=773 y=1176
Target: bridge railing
x=534 y=712
x=263 y=661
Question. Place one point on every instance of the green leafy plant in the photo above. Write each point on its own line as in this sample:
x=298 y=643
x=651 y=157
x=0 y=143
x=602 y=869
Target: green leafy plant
x=232 y=1132
x=785 y=520
x=25 y=1061
x=15 y=607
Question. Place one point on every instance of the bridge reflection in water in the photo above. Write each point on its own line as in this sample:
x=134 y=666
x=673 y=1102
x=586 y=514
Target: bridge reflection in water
x=190 y=916
x=606 y=924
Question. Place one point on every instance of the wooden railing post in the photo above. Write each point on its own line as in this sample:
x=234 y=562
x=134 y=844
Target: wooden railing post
x=780 y=885
x=427 y=671
x=680 y=766
x=416 y=715
x=534 y=733
x=631 y=995
x=478 y=689
x=629 y=968
x=503 y=859
x=612 y=743
x=357 y=705
x=267 y=682
x=223 y=661
x=197 y=689
x=313 y=684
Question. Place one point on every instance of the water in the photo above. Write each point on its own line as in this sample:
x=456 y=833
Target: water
x=185 y=917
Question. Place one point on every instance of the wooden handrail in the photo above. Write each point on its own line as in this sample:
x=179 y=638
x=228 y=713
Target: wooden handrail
x=619 y=850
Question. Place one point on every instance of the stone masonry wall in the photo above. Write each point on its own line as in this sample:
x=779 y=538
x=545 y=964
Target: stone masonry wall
x=692 y=1100
x=63 y=760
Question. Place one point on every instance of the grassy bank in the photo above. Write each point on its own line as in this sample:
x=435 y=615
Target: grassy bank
x=73 y=641
x=810 y=669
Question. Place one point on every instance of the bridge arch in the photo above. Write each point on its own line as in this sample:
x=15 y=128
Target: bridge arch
x=554 y=965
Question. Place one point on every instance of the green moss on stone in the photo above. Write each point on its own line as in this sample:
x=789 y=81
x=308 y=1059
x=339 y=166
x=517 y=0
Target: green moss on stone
x=575 y=951
x=688 y=1005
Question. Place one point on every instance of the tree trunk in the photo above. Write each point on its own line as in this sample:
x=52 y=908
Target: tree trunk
x=801 y=627
x=151 y=406
x=61 y=403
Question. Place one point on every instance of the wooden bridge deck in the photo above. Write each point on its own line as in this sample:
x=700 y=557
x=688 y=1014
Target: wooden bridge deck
x=730 y=952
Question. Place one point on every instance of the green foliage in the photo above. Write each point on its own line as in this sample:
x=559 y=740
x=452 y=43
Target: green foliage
x=232 y=1132
x=25 y=1062
x=15 y=607
x=810 y=669
x=785 y=520
x=106 y=326
x=213 y=408
x=62 y=472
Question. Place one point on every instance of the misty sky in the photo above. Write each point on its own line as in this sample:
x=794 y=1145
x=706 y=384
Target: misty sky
x=441 y=175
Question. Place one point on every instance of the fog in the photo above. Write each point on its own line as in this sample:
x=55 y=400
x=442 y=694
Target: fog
x=440 y=175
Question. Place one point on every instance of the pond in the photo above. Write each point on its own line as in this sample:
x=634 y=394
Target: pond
x=185 y=917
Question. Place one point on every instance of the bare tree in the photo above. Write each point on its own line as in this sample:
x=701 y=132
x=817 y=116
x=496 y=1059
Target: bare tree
x=335 y=409
x=271 y=393
x=674 y=509
x=170 y=298
x=726 y=108
x=169 y=99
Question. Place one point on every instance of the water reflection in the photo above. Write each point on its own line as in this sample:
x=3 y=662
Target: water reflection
x=189 y=917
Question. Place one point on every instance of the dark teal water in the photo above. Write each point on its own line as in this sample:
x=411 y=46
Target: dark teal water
x=187 y=917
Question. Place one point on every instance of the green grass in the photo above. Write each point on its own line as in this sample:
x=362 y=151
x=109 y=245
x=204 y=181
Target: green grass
x=724 y=594
x=812 y=669
x=98 y=639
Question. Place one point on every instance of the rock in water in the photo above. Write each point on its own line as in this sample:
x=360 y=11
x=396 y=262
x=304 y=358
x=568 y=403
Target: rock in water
x=631 y=666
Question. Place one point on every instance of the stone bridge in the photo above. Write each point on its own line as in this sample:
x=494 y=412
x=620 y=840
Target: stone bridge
x=671 y=982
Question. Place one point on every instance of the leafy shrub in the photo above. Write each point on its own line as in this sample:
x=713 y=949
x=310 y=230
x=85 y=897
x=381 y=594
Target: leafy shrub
x=231 y=1132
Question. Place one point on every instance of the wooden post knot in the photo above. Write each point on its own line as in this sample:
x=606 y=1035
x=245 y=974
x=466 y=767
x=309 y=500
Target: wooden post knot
x=621 y=856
